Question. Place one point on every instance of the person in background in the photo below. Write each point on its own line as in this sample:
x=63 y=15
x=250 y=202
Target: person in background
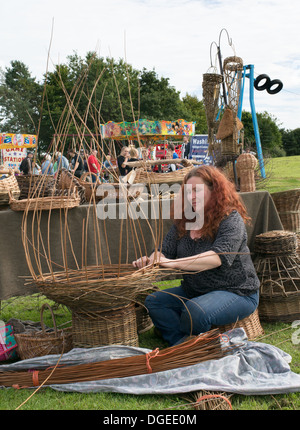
x=187 y=145
x=47 y=166
x=122 y=160
x=26 y=164
x=134 y=154
x=208 y=242
x=171 y=154
x=108 y=169
x=61 y=161
x=36 y=170
x=94 y=165
x=84 y=157
x=76 y=166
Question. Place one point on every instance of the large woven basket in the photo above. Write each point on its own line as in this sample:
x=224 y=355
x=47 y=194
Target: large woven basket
x=250 y=324
x=288 y=207
x=278 y=268
x=8 y=184
x=175 y=177
x=35 y=185
x=45 y=203
x=110 y=327
x=42 y=343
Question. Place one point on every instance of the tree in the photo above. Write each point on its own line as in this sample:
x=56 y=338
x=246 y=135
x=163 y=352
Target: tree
x=196 y=112
x=291 y=141
x=269 y=132
x=20 y=100
x=159 y=100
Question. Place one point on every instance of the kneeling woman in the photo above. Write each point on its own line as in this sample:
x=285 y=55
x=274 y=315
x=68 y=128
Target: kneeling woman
x=220 y=285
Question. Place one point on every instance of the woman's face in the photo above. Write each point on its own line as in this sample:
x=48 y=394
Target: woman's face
x=197 y=192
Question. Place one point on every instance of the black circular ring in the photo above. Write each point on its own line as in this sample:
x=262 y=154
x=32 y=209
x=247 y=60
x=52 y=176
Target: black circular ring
x=263 y=86
x=277 y=88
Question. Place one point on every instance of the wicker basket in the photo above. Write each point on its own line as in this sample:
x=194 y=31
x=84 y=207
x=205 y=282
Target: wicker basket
x=66 y=181
x=276 y=242
x=111 y=327
x=45 y=203
x=278 y=268
x=8 y=183
x=143 y=320
x=89 y=186
x=35 y=186
x=250 y=324
x=175 y=177
x=43 y=343
x=288 y=207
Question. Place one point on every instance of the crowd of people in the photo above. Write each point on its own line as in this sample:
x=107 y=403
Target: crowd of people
x=81 y=162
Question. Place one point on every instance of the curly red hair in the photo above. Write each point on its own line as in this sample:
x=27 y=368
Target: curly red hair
x=224 y=199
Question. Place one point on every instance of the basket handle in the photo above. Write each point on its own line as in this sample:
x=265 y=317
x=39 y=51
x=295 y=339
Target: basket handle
x=45 y=305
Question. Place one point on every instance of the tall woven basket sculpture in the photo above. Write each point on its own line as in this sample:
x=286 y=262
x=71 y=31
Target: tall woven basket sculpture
x=211 y=92
x=245 y=165
x=230 y=125
x=278 y=269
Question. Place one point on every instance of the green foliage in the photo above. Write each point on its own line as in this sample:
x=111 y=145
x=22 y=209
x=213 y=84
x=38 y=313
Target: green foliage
x=196 y=112
x=269 y=132
x=84 y=92
x=291 y=141
x=20 y=100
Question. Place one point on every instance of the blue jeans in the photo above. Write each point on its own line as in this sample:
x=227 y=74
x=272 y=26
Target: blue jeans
x=176 y=316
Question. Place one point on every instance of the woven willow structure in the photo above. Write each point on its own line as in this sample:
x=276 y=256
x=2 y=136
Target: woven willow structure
x=245 y=165
x=278 y=269
x=232 y=67
x=211 y=97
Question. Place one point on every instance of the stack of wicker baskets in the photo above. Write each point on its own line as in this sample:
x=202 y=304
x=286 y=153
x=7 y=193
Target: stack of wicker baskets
x=8 y=185
x=288 y=207
x=278 y=268
x=102 y=302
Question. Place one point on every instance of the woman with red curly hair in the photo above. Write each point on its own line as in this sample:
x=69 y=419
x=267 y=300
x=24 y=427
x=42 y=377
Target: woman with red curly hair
x=208 y=242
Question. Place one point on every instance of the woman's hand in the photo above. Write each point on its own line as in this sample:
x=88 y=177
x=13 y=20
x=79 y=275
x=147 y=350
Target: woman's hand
x=141 y=262
x=157 y=257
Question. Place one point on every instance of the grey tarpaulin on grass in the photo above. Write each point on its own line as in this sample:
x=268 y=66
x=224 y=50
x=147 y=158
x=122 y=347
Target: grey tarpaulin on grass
x=254 y=368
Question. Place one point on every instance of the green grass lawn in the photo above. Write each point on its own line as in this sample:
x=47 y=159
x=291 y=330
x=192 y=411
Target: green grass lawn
x=28 y=308
x=282 y=174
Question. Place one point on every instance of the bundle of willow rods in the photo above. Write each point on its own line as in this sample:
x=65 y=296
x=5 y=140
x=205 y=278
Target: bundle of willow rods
x=197 y=349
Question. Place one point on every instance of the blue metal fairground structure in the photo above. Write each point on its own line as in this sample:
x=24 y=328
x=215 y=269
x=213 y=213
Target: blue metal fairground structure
x=248 y=71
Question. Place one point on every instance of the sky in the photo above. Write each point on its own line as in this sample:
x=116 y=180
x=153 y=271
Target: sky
x=178 y=39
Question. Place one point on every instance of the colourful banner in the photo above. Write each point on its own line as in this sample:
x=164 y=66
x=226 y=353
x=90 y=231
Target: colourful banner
x=12 y=140
x=12 y=157
x=145 y=129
